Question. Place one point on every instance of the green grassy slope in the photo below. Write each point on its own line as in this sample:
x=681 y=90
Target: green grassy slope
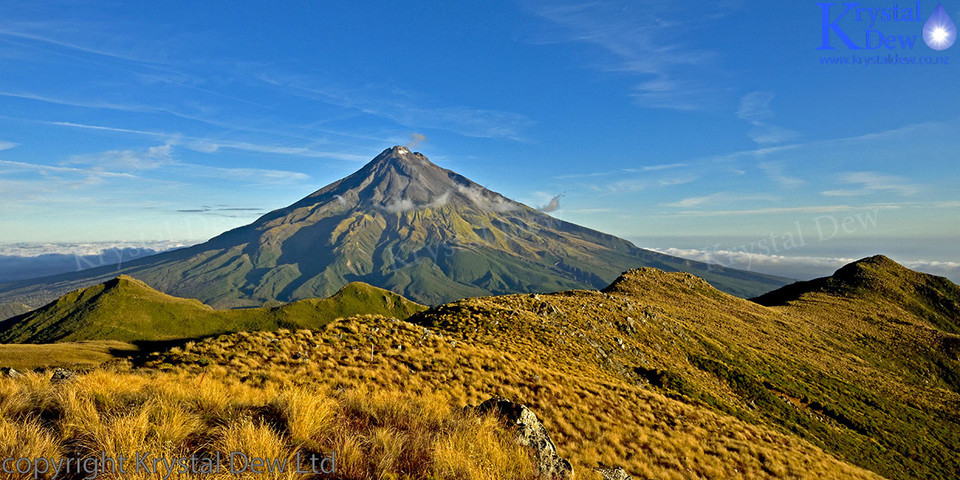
x=127 y=309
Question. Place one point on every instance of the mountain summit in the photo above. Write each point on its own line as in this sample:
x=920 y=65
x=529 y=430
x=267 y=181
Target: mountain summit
x=400 y=223
x=398 y=180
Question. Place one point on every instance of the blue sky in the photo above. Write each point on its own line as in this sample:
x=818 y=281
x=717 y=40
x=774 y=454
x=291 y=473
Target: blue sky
x=713 y=129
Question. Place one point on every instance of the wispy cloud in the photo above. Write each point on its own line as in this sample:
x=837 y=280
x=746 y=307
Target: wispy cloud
x=406 y=108
x=7 y=145
x=126 y=163
x=109 y=129
x=674 y=181
x=755 y=108
x=258 y=176
x=27 y=185
x=589 y=210
x=763 y=134
x=800 y=149
x=584 y=175
x=128 y=160
x=642 y=169
x=656 y=168
x=873 y=182
x=647 y=38
x=625 y=186
x=79 y=103
x=47 y=39
x=775 y=171
x=780 y=210
x=51 y=169
x=209 y=145
x=90 y=44
x=720 y=198
x=637 y=178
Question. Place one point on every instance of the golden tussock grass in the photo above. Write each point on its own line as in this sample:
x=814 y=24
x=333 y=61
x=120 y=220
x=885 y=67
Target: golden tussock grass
x=173 y=415
x=591 y=413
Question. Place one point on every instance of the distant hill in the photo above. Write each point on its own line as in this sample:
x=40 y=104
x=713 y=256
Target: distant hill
x=399 y=223
x=127 y=309
x=672 y=378
x=9 y=309
x=928 y=297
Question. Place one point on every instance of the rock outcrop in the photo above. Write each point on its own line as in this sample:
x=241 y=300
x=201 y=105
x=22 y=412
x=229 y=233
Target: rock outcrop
x=530 y=432
x=61 y=375
x=612 y=473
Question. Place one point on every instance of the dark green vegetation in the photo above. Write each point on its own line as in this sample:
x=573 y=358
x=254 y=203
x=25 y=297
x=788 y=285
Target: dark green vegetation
x=400 y=223
x=127 y=309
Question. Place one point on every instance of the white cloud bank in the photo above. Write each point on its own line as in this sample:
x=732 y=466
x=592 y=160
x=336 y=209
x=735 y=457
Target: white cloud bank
x=798 y=267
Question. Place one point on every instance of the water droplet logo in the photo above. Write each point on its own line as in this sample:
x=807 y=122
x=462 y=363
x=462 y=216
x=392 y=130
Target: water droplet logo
x=939 y=32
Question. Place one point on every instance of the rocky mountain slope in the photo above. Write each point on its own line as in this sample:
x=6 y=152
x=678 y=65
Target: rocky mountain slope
x=399 y=223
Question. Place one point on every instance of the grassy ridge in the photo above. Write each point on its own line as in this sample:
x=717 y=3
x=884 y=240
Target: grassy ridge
x=859 y=372
x=126 y=309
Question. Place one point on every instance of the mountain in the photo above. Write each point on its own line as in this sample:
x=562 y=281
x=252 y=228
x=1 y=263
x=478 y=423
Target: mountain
x=403 y=224
x=129 y=310
x=665 y=375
